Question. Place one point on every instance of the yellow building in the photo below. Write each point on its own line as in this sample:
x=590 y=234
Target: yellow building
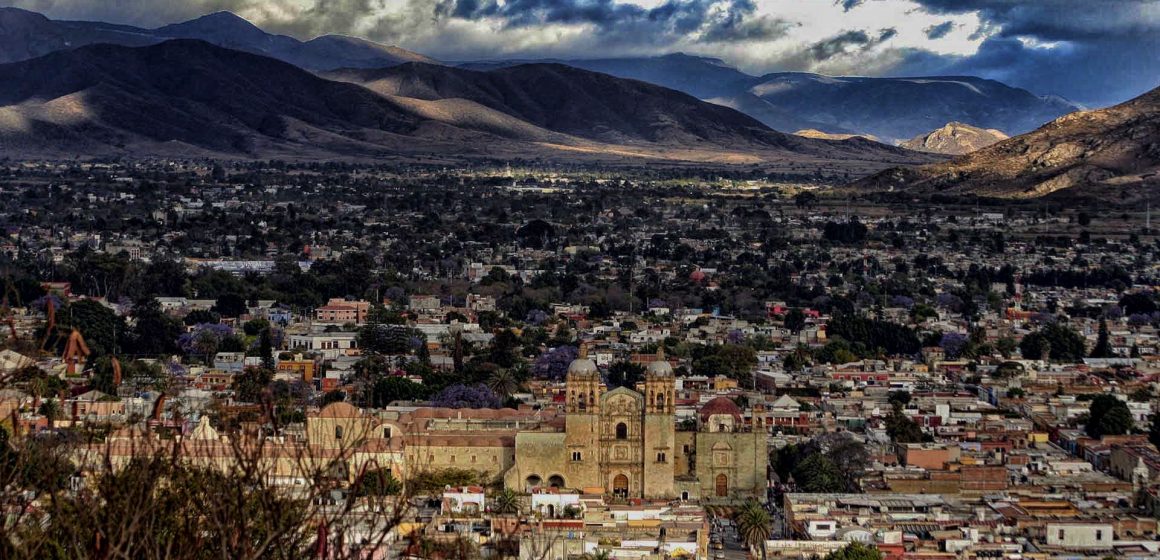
x=619 y=442
x=624 y=443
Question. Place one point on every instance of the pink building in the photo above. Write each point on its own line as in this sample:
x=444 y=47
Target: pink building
x=340 y=311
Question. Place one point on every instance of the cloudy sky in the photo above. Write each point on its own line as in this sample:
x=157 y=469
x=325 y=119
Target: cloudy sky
x=1094 y=52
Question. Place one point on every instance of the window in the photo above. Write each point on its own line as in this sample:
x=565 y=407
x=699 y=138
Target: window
x=1061 y=534
x=452 y=461
x=473 y=459
x=1099 y=534
x=685 y=449
x=622 y=431
x=338 y=432
x=387 y=433
x=660 y=457
x=575 y=455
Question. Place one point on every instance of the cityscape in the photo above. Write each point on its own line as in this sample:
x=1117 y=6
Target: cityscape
x=273 y=288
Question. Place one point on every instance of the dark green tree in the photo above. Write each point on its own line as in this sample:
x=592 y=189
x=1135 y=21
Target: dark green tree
x=1057 y=340
x=1103 y=347
x=855 y=551
x=1108 y=416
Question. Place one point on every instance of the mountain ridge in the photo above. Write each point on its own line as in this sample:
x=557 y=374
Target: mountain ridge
x=30 y=35
x=955 y=138
x=190 y=96
x=1113 y=151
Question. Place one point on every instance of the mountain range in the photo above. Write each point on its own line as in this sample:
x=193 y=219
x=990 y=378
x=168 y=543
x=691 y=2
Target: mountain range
x=188 y=97
x=890 y=109
x=1111 y=153
x=25 y=35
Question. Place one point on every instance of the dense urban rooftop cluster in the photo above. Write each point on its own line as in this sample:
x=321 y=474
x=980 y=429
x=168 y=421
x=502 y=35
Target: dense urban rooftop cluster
x=562 y=363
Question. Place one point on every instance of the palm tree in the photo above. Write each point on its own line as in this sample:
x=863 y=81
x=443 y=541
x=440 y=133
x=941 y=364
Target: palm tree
x=598 y=554
x=507 y=501
x=503 y=382
x=753 y=525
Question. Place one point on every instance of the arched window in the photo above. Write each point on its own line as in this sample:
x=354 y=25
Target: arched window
x=338 y=432
x=660 y=400
x=581 y=404
x=622 y=431
x=722 y=485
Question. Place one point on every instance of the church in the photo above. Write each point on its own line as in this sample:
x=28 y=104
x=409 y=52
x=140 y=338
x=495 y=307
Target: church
x=626 y=443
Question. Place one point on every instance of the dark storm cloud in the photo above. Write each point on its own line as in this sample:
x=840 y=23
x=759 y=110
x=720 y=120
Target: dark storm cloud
x=939 y=31
x=846 y=41
x=1094 y=73
x=1096 y=53
x=738 y=20
x=848 y=5
x=1057 y=20
x=828 y=48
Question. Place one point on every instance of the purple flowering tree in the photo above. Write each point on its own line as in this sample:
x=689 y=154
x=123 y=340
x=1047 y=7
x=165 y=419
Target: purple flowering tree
x=554 y=363
x=203 y=339
x=536 y=317
x=949 y=301
x=902 y=301
x=467 y=396
x=953 y=344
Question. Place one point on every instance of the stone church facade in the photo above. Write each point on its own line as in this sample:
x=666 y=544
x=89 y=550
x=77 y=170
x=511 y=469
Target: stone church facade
x=625 y=443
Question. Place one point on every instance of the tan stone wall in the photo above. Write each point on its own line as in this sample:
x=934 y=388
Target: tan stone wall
x=740 y=457
x=543 y=454
x=493 y=460
x=659 y=438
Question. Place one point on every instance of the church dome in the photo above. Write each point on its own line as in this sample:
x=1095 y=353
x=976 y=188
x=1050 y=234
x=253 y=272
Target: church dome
x=582 y=365
x=720 y=405
x=660 y=367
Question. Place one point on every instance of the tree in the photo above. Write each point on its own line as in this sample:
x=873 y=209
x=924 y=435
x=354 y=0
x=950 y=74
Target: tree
x=795 y=320
x=855 y=551
x=818 y=474
x=507 y=501
x=377 y=482
x=554 y=363
x=1103 y=347
x=1154 y=429
x=266 y=348
x=1059 y=342
x=1006 y=346
x=100 y=326
x=901 y=398
x=1008 y=370
x=503 y=382
x=250 y=385
x=902 y=429
x=753 y=524
x=1108 y=416
x=386 y=390
x=465 y=396
x=846 y=453
x=154 y=333
x=230 y=305
x=805 y=199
